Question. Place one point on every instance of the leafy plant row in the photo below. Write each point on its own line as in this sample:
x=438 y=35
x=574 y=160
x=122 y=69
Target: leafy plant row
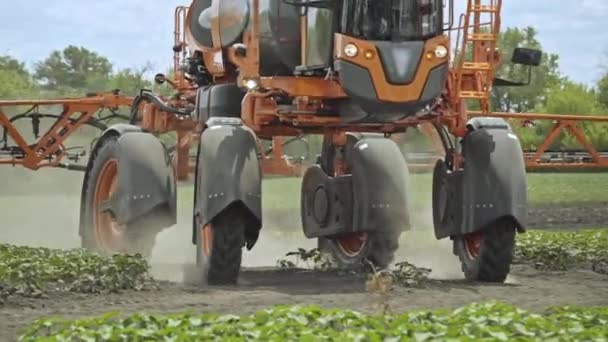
x=564 y=250
x=490 y=321
x=33 y=271
x=556 y=251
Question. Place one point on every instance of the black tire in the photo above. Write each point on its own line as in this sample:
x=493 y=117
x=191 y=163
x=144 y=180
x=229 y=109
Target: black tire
x=138 y=237
x=379 y=249
x=491 y=262
x=380 y=246
x=220 y=262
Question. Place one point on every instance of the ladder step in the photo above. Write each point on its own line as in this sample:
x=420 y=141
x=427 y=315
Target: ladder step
x=484 y=9
x=473 y=95
x=487 y=37
x=476 y=66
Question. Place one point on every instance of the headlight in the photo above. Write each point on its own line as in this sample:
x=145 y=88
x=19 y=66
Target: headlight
x=351 y=50
x=441 y=51
x=250 y=83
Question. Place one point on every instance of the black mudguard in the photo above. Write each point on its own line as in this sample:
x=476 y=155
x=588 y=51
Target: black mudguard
x=380 y=184
x=146 y=178
x=229 y=172
x=492 y=185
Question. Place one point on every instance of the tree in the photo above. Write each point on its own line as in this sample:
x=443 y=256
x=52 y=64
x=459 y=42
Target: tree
x=73 y=68
x=567 y=98
x=131 y=81
x=544 y=77
x=9 y=63
x=15 y=80
x=602 y=95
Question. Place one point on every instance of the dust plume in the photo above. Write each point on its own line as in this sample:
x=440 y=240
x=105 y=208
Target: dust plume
x=40 y=208
x=418 y=245
x=174 y=254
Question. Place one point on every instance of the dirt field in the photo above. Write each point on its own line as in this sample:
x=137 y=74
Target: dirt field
x=262 y=288
x=50 y=220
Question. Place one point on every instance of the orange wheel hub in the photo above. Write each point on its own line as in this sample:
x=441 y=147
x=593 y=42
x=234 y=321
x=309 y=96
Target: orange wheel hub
x=352 y=245
x=108 y=233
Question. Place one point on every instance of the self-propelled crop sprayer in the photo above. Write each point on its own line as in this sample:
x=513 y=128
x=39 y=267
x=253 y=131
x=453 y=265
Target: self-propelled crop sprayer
x=353 y=71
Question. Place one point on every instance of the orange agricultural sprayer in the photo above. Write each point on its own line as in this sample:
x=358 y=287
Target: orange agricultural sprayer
x=354 y=72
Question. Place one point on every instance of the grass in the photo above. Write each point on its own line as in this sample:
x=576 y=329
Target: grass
x=549 y=188
x=543 y=188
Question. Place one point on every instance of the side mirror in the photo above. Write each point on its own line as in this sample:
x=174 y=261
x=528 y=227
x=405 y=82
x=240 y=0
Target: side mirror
x=160 y=79
x=525 y=56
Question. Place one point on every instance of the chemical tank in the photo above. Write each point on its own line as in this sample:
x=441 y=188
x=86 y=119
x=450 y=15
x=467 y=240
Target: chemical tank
x=279 y=25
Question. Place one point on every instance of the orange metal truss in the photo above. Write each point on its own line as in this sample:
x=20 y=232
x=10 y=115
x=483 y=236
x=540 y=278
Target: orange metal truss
x=541 y=158
x=570 y=124
x=49 y=150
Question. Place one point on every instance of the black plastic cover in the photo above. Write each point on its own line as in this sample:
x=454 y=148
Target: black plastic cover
x=229 y=172
x=400 y=60
x=363 y=105
x=494 y=180
x=380 y=185
x=219 y=100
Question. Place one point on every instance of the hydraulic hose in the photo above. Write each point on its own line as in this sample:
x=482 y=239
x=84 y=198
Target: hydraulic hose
x=147 y=95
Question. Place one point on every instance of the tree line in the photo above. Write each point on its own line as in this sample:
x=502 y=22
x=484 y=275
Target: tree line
x=75 y=71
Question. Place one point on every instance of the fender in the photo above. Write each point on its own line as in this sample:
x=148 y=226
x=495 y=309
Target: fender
x=491 y=186
x=380 y=182
x=494 y=183
x=228 y=172
x=146 y=179
x=121 y=129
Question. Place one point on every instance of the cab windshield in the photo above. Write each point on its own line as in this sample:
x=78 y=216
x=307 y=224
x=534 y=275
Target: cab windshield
x=392 y=20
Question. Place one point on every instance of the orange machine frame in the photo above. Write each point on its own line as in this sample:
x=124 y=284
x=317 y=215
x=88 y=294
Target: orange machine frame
x=586 y=158
x=561 y=123
x=467 y=80
x=49 y=150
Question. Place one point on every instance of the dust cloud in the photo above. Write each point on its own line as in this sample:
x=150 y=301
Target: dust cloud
x=418 y=245
x=41 y=209
x=174 y=254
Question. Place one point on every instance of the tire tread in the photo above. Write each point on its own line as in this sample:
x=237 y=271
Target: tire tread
x=495 y=255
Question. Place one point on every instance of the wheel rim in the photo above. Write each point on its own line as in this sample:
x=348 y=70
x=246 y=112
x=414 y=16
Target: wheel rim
x=353 y=244
x=108 y=233
x=206 y=234
x=472 y=244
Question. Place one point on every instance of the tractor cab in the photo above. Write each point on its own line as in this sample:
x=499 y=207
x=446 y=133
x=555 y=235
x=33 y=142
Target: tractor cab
x=389 y=56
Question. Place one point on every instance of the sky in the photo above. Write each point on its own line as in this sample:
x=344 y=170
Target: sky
x=133 y=32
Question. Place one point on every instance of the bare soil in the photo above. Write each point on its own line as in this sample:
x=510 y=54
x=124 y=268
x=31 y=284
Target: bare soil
x=261 y=288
